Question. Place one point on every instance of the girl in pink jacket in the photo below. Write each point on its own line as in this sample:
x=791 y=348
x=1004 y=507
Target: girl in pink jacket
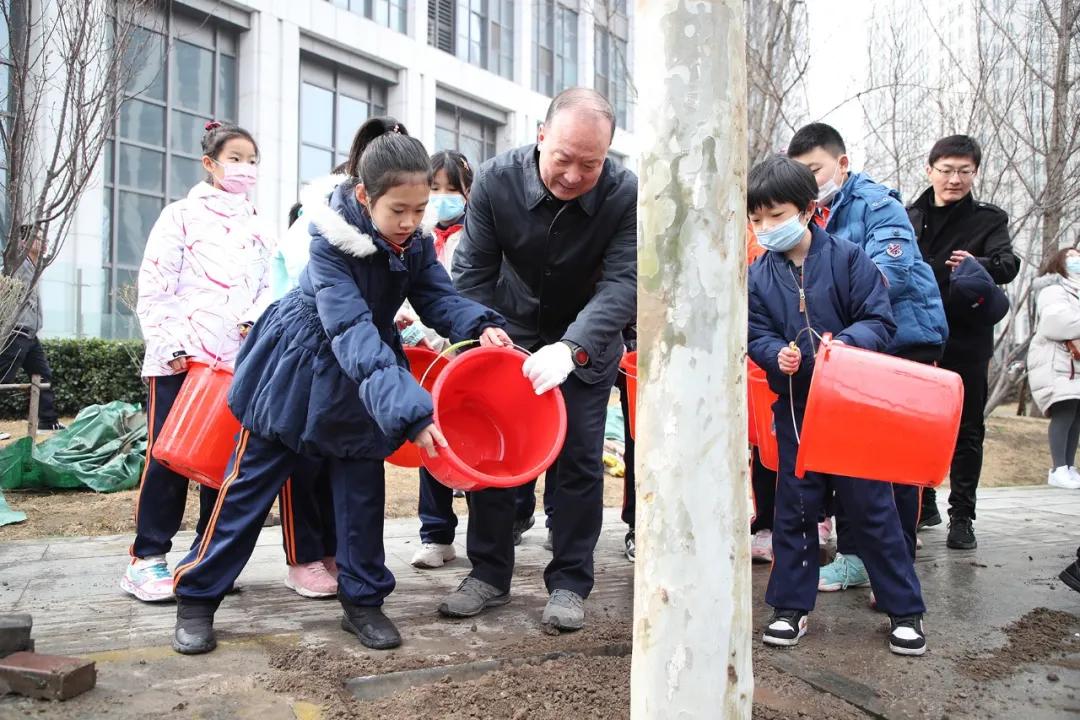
x=204 y=280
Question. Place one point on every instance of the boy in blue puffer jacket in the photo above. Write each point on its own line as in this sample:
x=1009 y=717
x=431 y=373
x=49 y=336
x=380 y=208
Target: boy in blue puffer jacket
x=812 y=283
x=323 y=377
x=854 y=207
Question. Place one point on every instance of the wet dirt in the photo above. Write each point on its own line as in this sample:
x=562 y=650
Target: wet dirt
x=1040 y=636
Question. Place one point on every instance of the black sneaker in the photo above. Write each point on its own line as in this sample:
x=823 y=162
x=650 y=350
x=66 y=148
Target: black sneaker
x=51 y=426
x=521 y=527
x=630 y=545
x=374 y=629
x=194 y=633
x=929 y=517
x=1071 y=575
x=906 y=636
x=785 y=628
x=549 y=542
x=961 y=534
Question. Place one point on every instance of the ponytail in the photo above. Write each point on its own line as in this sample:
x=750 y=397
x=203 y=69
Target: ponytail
x=382 y=155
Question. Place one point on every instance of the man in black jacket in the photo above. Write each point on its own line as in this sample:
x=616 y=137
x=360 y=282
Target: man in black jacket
x=550 y=242
x=950 y=226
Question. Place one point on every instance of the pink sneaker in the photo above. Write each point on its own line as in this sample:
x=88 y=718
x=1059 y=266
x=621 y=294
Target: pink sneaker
x=824 y=531
x=311 y=580
x=331 y=566
x=761 y=546
x=148 y=579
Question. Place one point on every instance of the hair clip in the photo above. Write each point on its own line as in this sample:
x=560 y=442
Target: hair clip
x=397 y=129
x=465 y=163
x=212 y=125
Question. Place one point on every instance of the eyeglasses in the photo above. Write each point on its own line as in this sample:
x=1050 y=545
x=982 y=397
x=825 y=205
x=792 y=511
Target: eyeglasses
x=962 y=174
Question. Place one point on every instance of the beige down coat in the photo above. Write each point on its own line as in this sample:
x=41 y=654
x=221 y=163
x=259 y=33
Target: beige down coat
x=1053 y=374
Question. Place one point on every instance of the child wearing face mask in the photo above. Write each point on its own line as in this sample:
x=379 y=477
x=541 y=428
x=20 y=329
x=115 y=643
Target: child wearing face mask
x=807 y=284
x=323 y=378
x=204 y=280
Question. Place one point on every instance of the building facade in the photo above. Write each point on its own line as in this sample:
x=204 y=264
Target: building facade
x=303 y=75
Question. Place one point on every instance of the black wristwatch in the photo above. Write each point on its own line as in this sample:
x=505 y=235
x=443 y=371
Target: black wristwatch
x=578 y=353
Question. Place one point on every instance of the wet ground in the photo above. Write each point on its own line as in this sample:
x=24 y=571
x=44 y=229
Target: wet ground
x=1004 y=636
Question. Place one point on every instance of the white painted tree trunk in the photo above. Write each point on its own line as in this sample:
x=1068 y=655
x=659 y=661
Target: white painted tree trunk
x=692 y=592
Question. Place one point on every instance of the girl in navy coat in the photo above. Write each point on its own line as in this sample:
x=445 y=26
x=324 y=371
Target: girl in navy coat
x=812 y=283
x=323 y=376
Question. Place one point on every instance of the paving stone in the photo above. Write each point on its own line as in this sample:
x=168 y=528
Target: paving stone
x=47 y=677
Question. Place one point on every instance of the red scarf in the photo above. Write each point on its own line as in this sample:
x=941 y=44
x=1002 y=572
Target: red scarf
x=441 y=236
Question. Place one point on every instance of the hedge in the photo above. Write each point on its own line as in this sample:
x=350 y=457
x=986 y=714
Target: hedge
x=85 y=372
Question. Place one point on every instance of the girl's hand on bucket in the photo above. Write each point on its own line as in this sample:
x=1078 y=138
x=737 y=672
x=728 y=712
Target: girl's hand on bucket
x=495 y=337
x=179 y=363
x=430 y=439
x=789 y=360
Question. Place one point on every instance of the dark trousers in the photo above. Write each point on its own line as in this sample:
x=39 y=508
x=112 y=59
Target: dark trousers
x=875 y=528
x=576 y=486
x=967 y=458
x=306 y=502
x=25 y=352
x=629 y=488
x=162 y=498
x=764 y=483
x=438 y=522
x=525 y=501
x=257 y=471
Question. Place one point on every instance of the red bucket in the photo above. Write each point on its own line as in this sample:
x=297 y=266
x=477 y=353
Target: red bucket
x=420 y=360
x=500 y=433
x=628 y=365
x=199 y=435
x=761 y=402
x=751 y=428
x=877 y=417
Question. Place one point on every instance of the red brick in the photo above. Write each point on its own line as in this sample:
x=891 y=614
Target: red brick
x=49 y=677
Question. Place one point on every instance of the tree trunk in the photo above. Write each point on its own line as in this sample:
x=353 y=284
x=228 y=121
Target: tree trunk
x=692 y=591
x=1059 y=121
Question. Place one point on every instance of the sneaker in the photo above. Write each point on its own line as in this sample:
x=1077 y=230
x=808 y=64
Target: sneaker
x=51 y=426
x=785 y=628
x=846 y=571
x=194 y=632
x=148 y=579
x=459 y=493
x=331 y=566
x=961 y=534
x=433 y=555
x=918 y=543
x=1071 y=575
x=472 y=597
x=549 y=541
x=929 y=517
x=565 y=611
x=906 y=636
x=873 y=601
x=311 y=580
x=521 y=527
x=374 y=629
x=630 y=547
x=761 y=546
x=1062 y=477
x=824 y=531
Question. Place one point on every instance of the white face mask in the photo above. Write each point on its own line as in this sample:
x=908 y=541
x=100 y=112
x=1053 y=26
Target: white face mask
x=828 y=191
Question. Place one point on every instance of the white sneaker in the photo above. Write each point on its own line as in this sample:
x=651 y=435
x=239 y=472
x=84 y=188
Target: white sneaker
x=148 y=579
x=761 y=546
x=1074 y=472
x=433 y=555
x=1062 y=478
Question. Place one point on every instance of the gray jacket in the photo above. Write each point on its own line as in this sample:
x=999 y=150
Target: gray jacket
x=29 y=320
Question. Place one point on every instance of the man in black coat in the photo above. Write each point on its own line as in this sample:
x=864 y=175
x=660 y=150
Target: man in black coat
x=550 y=242
x=950 y=226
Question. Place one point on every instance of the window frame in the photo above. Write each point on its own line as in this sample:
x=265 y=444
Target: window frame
x=551 y=21
x=369 y=9
x=487 y=125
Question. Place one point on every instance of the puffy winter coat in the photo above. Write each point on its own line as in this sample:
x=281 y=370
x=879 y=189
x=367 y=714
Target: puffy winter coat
x=294 y=249
x=1053 y=374
x=871 y=216
x=204 y=273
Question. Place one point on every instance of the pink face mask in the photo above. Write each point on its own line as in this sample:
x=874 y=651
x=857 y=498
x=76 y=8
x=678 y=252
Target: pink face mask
x=238 y=178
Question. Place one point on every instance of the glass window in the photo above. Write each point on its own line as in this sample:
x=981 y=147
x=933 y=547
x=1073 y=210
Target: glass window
x=611 y=78
x=334 y=103
x=556 y=47
x=480 y=32
x=388 y=13
x=155 y=153
x=471 y=135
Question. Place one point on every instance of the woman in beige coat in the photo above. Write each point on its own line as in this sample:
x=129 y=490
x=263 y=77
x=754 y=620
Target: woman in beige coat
x=1053 y=371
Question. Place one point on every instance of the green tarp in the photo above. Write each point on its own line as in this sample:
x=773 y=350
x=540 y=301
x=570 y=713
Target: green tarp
x=103 y=449
x=7 y=515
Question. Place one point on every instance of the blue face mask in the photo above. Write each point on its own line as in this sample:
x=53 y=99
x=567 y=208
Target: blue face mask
x=1072 y=265
x=447 y=207
x=784 y=236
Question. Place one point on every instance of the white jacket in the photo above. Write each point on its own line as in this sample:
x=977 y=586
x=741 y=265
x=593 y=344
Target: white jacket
x=292 y=253
x=1053 y=374
x=204 y=273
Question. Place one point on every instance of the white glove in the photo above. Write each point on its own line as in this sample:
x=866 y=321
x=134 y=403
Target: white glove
x=549 y=367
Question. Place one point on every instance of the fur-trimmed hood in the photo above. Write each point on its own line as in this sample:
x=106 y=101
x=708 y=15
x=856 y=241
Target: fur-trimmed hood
x=339 y=232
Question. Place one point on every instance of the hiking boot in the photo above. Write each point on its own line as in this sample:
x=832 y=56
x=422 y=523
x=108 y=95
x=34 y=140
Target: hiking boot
x=374 y=629
x=433 y=555
x=961 y=534
x=1062 y=477
x=906 y=636
x=194 y=633
x=846 y=571
x=549 y=541
x=311 y=580
x=148 y=579
x=761 y=546
x=565 y=611
x=929 y=517
x=785 y=628
x=472 y=597
x=630 y=546
x=1071 y=575
x=521 y=527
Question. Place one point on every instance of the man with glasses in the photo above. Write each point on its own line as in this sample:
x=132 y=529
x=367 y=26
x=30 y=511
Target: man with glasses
x=951 y=226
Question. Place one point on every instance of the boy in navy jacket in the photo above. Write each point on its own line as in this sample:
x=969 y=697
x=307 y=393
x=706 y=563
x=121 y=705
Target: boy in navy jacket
x=807 y=284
